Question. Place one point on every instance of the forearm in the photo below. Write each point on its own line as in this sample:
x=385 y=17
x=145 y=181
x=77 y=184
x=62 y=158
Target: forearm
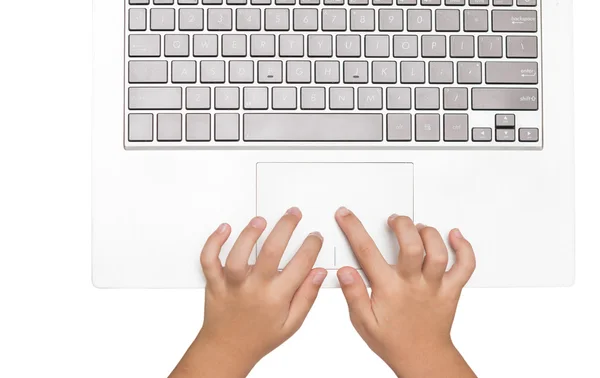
x=207 y=359
x=444 y=362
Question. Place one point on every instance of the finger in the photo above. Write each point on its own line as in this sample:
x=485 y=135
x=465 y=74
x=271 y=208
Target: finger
x=304 y=299
x=436 y=254
x=463 y=268
x=370 y=259
x=301 y=264
x=357 y=297
x=236 y=266
x=410 y=258
x=276 y=243
x=209 y=257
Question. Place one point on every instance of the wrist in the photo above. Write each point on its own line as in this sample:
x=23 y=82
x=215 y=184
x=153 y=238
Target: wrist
x=430 y=360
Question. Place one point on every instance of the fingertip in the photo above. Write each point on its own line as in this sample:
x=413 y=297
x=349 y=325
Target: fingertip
x=223 y=229
x=318 y=276
x=455 y=233
x=295 y=212
x=342 y=212
x=259 y=223
x=347 y=276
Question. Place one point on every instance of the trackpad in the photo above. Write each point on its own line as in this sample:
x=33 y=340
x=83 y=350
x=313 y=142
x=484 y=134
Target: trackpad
x=373 y=191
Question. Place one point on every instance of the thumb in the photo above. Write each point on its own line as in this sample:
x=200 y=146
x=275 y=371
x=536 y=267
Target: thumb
x=355 y=291
x=304 y=298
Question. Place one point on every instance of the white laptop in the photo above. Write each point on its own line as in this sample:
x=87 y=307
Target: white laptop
x=457 y=113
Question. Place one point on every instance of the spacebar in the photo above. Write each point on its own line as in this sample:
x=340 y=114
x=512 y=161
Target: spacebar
x=312 y=127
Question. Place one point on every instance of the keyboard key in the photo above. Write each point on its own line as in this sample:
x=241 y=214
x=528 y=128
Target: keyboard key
x=377 y=46
x=291 y=45
x=197 y=127
x=227 y=98
x=391 y=20
x=333 y=19
x=241 y=71
x=191 y=19
x=462 y=46
x=212 y=71
x=315 y=127
x=219 y=19
x=234 y=45
x=341 y=98
x=151 y=98
x=427 y=98
x=169 y=128
x=177 y=45
x=362 y=20
x=247 y=19
x=306 y=19
x=447 y=20
x=262 y=45
x=277 y=19
x=284 y=98
x=456 y=127
x=205 y=45
x=162 y=19
x=270 y=71
x=418 y=19
x=183 y=71
x=312 y=98
x=137 y=20
x=298 y=71
x=476 y=20
x=399 y=127
x=482 y=134
x=144 y=45
x=140 y=128
x=427 y=127
x=441 y=72
x=456 y=98
x=370 y=98
x=384 y=72
x=521 y=47
x=406 y=46
x=412 y=72
x=505 y=120
x=320 y=45
x=198 y=98
x=490 y=46
x=148 y=71
x=227 y=127
x=514 y=21
x=356 y=72
x=505 y=135
x=529 y=135
x=469 y=72
x=511 y=72
x=327 y=71
x=399 y=98
x=504 y=99
x=256 y=98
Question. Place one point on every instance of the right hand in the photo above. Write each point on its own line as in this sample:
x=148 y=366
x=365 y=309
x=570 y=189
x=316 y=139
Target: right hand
x=408 y=317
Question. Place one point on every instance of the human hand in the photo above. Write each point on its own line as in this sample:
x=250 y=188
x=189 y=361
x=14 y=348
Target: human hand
x=408 y=318
x=251 y=310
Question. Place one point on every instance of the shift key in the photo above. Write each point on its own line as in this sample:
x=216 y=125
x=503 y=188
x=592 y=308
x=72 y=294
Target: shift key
x=511 y=72
x=514 y=21
x=505 y=99
x=159 y=98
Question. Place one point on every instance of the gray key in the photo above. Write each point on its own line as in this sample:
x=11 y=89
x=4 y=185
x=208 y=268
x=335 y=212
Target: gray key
x=256 y=98
x=503 y=3
x=284 y=98
x=212 y=71
x=262 y=45
x=391 y=20
x=168 y=128
x=197 y=127
x=469 y=72
x=191 y=19
x=511 y=72
x=291 y=45
x=348 y=45
x=431 y=2
x=427 y=98
x=270 y=71
x=529 y=135
x=148 y=71
x=370 y=98
x=155 y=98
x=427 y=127
x=140 y=128
x=234 y=45
x=398 y=98
x=197 y=98
x=177 y=45
x=377 y=46
x=333 y=20
x=482 y=134
x=227 y=98
x=247 y=19
x=514 y=21
x=227 y=127
x=316 y=127
x=412 y=72
x=356 y=72
x=456 y=127
x=447 y=20
x=205 y=45
x=490 y=46
x=162 y=19
x=456 y=98
x=219 y=19
x=241 y=71
x=505 y=120
x=406 y=46
x=306 y=19
x=521 y=47
x=341 y=98
x=418 y=19
x=399 y=127
x=320 y=45
x=505 y=135
x=476 y=20
x=312 y=98
x=362 y=20
x=504 y=99
x=327 y=71
x=277 y=19
x=384 y=72
x=526 y=3
x=183 y=71
x=441 y=72
x=137 y=19
x=462 y=46
x=298 y=71
x=433 y=46
x=144 y=45
x=479 y=2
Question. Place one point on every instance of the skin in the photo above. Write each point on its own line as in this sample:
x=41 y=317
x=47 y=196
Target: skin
x=407 y=319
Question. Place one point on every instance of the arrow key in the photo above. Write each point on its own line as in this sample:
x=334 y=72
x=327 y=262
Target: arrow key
x=505 y=135
x=529 y=135
x=482 y=134
x=505 y=120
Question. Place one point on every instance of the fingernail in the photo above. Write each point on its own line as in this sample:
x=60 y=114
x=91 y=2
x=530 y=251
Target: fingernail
x=222 y=228
x=342 y=212
x=317 y=234
x=346 y=278
x=257 y=222
x=458 y=234
x=319 y=277
x=420 y=226
x=393 y=216
x=294 y=211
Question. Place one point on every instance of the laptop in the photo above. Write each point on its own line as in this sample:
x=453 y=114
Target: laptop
x=457 y=113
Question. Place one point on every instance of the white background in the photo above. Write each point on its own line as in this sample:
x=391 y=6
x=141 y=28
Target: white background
x=53 y=323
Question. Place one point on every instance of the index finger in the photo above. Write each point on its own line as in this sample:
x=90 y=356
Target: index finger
x=365 y=250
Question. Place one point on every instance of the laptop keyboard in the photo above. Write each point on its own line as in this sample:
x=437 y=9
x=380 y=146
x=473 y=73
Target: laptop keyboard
x=369 y=73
